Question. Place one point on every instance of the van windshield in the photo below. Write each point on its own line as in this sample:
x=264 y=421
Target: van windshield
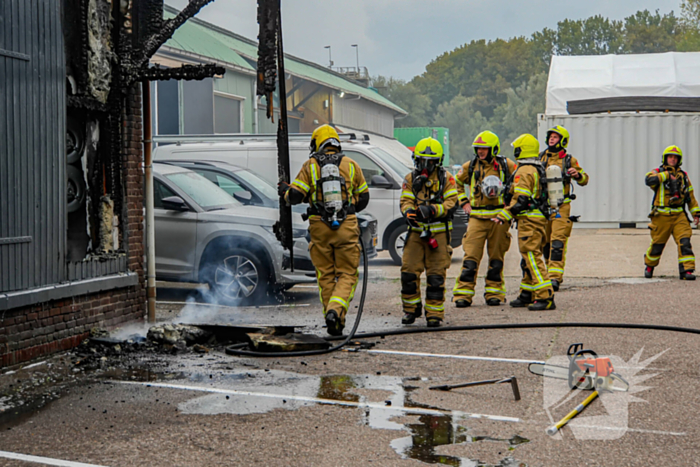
x=207 y=195
x=396 y=165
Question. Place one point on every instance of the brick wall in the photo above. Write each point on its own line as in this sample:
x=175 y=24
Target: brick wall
x=32 y=332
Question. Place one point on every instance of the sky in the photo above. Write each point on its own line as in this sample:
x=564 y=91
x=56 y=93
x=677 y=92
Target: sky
x=400 y=37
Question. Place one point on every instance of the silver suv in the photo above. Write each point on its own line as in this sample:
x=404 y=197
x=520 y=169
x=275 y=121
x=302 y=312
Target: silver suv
x=204 y=235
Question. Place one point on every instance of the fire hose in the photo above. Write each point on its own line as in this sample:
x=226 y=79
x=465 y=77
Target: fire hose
x=236 y=349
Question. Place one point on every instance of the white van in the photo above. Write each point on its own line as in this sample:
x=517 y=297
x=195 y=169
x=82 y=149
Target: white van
x=384 y=172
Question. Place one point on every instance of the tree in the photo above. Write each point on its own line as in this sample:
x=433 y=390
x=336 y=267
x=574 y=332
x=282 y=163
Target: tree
x=464 y=122
x=519 y=114
x=408 y=97
x=649 y=33
x=690 y=26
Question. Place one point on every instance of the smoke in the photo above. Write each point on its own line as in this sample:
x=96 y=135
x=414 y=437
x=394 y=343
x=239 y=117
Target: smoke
x=194 y=312
x=139 y=329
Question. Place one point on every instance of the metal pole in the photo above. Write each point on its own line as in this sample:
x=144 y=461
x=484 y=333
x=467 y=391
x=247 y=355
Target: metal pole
x=330 y=60
x=357 y=56
x=150 y=223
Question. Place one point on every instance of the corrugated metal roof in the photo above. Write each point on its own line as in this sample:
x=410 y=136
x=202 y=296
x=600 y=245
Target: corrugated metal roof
x=196 y=32
x=195 y=38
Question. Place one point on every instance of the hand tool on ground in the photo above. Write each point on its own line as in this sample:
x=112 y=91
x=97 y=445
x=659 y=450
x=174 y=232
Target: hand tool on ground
x=579 y=408
x=512 y=380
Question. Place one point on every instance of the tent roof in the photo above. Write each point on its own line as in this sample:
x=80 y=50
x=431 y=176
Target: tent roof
x=672 y=74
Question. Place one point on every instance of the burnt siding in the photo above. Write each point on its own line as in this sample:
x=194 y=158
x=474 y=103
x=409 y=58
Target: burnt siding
x=32 y=148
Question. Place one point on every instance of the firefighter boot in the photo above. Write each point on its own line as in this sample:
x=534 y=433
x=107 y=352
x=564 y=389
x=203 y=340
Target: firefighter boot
x=687 y=276
x=462 y=303
x=523 y=300
x=410 y=318
x=493 y=302
x=333 y=324
x=555 y=285
x=434 y=322
x=541 y=305
x=649 y=272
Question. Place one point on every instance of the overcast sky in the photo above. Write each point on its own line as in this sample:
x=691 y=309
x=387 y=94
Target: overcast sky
x=400 y=37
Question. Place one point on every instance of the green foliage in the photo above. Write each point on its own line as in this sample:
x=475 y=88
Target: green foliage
x=690 y=26
x=408 y=97
x=465 y=122
x=500 y=85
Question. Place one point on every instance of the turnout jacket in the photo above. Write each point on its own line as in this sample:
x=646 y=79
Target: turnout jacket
x=559 y=158
x=304 y=185
x=470 y=190
x=429 y=195
x=527 y=191
x=670 y=197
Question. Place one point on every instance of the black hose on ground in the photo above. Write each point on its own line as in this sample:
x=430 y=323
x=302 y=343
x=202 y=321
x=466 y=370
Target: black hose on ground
x=236 y=348
x=484 y=327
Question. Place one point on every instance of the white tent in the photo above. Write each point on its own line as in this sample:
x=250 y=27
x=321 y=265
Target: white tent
x=672 y=74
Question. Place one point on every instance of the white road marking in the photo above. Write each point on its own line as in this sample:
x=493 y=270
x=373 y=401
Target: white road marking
x=362 y=405
x=458 y=357
x=317 y=400
x=44 y=460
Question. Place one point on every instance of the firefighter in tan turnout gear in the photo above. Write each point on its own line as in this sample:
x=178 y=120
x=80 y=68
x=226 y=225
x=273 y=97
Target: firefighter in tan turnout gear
x=529 y=208
x=428 y=201
x=672 y=191
x=559 y=226
x=335 y=189
x=481 y=185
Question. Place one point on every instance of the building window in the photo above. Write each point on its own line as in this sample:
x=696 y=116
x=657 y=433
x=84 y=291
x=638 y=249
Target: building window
x=228 y=113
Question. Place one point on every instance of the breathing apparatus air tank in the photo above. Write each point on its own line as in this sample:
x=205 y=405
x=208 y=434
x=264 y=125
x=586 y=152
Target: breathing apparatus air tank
x=555 y=188
x=332 y=194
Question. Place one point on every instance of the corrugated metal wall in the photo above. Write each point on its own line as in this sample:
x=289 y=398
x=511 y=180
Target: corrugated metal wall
x=32 y=144
x=617 y=150
x=363 y=115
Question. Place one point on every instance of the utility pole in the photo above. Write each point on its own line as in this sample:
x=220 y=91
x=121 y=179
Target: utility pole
x=357 y=56
x=330 y=60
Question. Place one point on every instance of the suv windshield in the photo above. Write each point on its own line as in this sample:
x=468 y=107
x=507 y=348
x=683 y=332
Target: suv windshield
x=207 y=195
x=395 y=164
x=258 y=183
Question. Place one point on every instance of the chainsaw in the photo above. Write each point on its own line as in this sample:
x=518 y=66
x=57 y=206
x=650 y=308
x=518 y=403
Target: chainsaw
x=586 y=371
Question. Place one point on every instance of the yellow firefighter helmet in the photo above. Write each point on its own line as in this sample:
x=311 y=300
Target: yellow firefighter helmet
x=324 y=137
x=563 y=135
x=672 y=151
x=487 y=139
x=526 y=146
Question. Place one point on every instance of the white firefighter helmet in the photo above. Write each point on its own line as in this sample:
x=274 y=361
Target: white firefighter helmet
x=492 y=187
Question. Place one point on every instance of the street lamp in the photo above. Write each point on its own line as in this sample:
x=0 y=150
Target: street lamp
x=357 y=55
x=329 y=55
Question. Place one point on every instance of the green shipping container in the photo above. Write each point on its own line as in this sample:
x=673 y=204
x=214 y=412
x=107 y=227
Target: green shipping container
x=409 y=137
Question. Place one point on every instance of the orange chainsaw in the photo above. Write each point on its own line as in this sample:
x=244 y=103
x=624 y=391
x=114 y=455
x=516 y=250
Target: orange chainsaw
x=586 y=371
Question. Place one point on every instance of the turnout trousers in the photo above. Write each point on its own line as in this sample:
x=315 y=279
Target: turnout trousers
x=663 y=226
x=482 y=232
x=336 y=257
x=531 y=236
x=557 y=241
x=419 y=257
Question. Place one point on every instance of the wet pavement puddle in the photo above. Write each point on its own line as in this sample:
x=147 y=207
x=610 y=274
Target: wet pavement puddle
x=260 y=391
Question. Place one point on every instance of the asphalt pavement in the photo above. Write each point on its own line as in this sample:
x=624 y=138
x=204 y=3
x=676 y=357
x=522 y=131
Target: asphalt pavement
x=374 y=406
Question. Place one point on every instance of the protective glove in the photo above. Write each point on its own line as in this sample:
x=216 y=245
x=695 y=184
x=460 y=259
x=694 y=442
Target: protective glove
x=426 y=213
x=283 y=188
x=411 y=215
